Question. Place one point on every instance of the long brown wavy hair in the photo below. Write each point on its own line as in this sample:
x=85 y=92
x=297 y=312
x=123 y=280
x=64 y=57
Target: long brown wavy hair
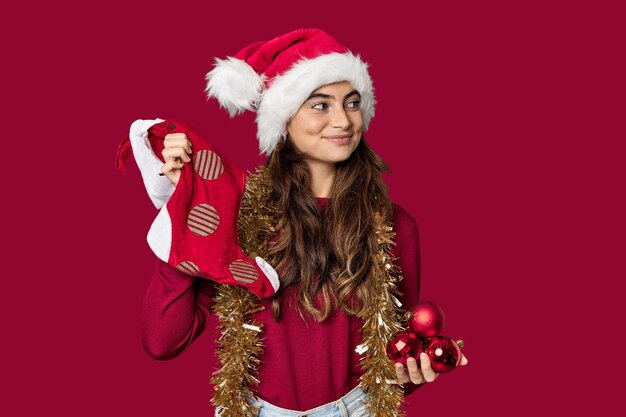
x=341 y=245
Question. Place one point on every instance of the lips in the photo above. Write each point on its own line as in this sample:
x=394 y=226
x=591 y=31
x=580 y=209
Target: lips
x=339 y=139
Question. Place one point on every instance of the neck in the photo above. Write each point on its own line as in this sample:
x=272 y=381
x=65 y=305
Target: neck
x=322 y=176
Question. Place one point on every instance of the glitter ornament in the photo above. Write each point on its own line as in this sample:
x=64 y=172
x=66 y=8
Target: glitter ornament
x=427 y=319
x=444 y=353
x=404 y=345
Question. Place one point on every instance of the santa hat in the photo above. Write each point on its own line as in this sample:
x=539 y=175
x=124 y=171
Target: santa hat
x=275 y=77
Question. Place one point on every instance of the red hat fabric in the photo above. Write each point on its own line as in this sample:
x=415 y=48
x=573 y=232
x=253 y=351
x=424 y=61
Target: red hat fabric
x=275 y=77
x=196 y=229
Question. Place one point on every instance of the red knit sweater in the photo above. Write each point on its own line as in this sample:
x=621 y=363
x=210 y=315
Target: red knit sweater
x=304 y=364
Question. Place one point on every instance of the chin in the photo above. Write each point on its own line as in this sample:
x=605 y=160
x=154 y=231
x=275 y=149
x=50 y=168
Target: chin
x=341 y=158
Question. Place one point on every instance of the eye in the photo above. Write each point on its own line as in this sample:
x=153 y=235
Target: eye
x=320 y=106
x=354 y=104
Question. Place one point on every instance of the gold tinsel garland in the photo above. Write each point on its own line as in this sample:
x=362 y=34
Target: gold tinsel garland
x=240 y=344
x=382 y=321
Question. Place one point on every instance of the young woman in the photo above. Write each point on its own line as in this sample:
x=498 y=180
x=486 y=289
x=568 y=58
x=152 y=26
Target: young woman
x=314 y=100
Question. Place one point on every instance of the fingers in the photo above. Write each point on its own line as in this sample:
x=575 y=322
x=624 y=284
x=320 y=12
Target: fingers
x=178 y=140
x=414 y=372
x=427 y=370
x=409 y=374
x=175 y=153
x=177 y=146
x=401 y=372
x=416 y=375
x=172 y=165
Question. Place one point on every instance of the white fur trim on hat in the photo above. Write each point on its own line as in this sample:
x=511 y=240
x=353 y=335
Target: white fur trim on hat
x=281 y=101
x=235 y=85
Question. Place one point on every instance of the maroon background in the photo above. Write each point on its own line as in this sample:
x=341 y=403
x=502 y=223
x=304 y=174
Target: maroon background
x=503 y=124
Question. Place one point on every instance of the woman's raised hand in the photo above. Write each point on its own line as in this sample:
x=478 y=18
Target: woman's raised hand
x=413 y=373
x=177 y=151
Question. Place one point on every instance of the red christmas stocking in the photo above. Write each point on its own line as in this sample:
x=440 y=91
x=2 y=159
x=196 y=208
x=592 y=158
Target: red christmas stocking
x=196 y=230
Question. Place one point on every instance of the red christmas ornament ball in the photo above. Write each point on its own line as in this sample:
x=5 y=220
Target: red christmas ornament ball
x=427 y=319
x=444 y=354
x=403 y=346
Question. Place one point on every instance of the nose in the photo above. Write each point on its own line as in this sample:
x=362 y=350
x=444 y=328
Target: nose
x=340 y=119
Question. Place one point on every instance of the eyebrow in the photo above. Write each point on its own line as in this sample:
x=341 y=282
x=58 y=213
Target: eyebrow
x=329 y=97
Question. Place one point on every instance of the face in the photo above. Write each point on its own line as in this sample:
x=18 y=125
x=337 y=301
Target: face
x=327 y=128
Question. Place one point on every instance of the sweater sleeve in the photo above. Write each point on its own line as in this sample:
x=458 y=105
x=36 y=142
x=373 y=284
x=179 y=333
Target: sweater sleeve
x=409 y=261
x=175 y=311
x=410 y=265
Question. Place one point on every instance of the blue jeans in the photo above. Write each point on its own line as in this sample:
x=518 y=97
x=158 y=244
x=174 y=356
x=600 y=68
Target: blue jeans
x=350 y=405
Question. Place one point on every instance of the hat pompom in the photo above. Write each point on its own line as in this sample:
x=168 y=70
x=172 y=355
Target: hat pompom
x=235 y=85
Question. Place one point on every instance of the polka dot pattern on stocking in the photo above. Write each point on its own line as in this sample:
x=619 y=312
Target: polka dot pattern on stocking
x=243 y=272
x=203 y=219
x=188 y=267
x=208 y=165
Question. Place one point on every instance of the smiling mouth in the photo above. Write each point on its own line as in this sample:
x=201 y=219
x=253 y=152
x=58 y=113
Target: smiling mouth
x=337 y=137
x=340 y=140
